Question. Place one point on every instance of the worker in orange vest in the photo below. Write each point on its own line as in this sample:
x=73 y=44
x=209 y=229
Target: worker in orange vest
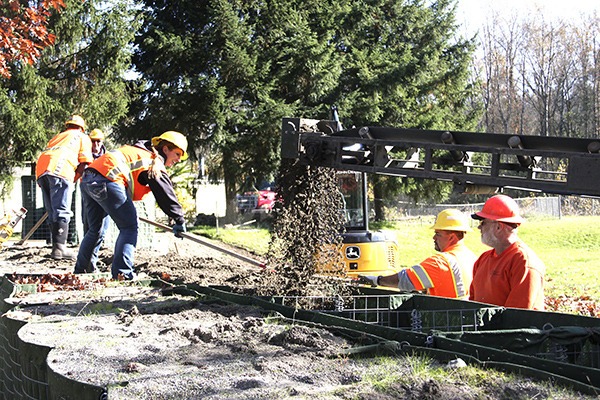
x=447 y=273
x=97 y=137
x=110 y=185
x=58 y=167
x=510 y=274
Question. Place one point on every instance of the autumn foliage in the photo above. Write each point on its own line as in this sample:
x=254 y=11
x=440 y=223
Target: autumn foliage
x=24 y=31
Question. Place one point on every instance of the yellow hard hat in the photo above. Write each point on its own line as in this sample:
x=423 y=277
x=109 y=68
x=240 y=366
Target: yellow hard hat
x=452 y=220
x=173 y=137
x=76 y=120
x=97 y=134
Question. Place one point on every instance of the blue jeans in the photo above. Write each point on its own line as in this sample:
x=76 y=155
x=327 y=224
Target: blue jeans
x=57 y=194
x=103 y=198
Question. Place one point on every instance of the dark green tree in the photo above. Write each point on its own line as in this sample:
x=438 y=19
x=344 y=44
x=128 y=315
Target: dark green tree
x=224 y=72
x=83 y=72
x=405 y=65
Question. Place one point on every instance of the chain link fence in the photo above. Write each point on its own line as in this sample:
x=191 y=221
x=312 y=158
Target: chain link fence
x=551 y=206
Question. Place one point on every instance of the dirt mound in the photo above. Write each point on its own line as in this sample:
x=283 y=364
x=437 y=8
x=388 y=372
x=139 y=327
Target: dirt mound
x=141 y=344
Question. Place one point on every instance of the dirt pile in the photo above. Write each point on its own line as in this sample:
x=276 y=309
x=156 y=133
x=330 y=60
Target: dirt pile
x=141 y=344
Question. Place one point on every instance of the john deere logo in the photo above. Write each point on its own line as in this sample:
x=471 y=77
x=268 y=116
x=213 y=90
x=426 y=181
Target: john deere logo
x=352 y=253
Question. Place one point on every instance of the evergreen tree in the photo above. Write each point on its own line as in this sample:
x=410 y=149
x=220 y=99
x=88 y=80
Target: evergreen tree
x=228 y=72
x=224 y=72
x=83 y=72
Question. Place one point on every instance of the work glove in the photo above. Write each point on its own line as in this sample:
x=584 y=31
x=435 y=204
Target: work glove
x=368 y=279
x=178 y=229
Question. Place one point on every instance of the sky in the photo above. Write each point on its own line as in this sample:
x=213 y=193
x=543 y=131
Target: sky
x=473 y=13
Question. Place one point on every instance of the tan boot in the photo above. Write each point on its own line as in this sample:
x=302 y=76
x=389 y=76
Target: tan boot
x=61 y=252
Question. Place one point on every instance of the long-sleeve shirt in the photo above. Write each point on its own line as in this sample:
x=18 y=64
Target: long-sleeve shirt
x=513 y=278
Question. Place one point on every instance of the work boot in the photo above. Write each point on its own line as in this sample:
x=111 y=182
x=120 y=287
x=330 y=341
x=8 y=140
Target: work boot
x=60 y=231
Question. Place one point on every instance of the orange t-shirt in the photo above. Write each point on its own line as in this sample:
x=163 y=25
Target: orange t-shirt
x=514 y=278
x=446 y=274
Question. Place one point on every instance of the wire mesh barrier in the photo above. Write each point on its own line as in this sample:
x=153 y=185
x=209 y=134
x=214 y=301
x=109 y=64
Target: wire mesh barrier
x=32 y=201
x=147 y=239
x=547 y=206
x=389 y=311
x=520 y=331
x=560 y=347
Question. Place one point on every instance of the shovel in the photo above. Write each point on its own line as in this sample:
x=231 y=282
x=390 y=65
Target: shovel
x=197 y=239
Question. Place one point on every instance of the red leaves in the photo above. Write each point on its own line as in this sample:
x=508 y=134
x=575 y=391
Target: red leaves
x=54 y=282
x=581 y=305
x=24 y=31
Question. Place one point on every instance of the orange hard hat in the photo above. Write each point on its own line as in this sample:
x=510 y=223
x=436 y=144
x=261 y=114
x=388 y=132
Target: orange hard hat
x=500 y=208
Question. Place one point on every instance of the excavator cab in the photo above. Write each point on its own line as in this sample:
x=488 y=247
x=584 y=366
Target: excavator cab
x=363 y=252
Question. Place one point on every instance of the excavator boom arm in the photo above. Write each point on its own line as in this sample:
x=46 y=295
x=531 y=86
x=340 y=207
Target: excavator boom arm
x=568 y=166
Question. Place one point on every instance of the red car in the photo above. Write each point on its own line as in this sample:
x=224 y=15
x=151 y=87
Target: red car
x=257 y=201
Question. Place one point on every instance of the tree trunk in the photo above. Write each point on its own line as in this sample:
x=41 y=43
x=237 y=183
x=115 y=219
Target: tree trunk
x=378 y=196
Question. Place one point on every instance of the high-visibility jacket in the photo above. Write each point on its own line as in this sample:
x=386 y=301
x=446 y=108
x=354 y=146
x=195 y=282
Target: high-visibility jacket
x=64 y=153
x=513 y=278
x=446 y=274
x=124 y=166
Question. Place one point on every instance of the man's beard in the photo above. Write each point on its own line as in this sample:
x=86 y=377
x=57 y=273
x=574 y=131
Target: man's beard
x=488 y=238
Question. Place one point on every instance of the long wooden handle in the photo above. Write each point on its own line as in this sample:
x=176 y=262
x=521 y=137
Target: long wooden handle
x=33 y=229
x=201 y=241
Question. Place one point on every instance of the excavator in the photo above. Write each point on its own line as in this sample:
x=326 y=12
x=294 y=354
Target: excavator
x=475 y=163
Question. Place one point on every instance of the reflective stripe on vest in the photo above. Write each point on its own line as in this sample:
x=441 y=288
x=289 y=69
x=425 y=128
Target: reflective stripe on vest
x=422 y=276
x=65 y=152
x=455 y=272
x=124 y=170
x=457 y=278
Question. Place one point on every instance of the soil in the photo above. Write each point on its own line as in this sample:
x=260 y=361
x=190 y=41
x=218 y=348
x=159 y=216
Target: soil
x=144 y=345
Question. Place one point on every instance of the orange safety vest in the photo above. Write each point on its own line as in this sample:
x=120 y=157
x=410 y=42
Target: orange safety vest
x=64 y=153
x=124 y=166
x=447 y=274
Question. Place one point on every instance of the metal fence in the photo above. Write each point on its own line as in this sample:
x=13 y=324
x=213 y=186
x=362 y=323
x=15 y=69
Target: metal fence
x=551 y=206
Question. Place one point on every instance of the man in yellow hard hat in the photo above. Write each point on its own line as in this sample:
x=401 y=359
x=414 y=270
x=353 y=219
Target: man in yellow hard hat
x=97 y=138
x=98 y=149
x=57 y=168
x=448 y=273
x=110 y=185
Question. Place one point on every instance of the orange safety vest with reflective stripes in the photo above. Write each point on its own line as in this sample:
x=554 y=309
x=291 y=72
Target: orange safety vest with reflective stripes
x=64 y=153
x=446 y=274
x=124 y=166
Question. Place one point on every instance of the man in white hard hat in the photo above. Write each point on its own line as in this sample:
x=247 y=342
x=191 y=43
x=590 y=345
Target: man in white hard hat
x=447 y=273
x=57 y=168
x=110 y=185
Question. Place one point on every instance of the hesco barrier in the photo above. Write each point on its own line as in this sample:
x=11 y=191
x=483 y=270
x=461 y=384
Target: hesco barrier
x=562 y=348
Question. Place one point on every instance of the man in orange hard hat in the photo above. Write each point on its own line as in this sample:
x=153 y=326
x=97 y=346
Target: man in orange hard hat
x=57 y=168
x=110 y=185
x=447 y=273
x=510 y=274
